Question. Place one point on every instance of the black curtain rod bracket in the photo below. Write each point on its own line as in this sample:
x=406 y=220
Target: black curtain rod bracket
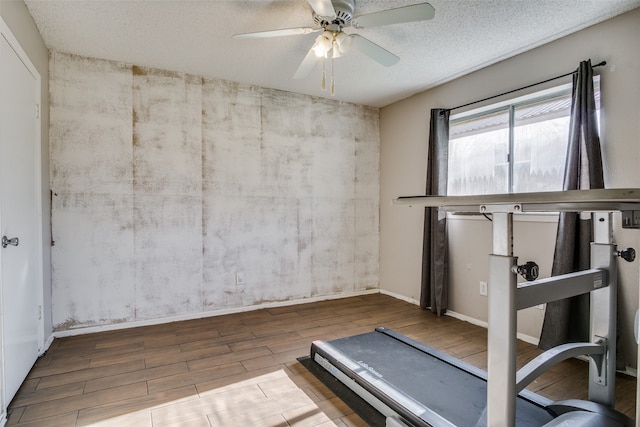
x=601 y=64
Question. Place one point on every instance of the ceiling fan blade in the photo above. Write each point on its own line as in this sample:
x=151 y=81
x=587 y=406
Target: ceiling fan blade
x=277 y=33
x=416 y=12
x=306 y=65
x=323 y=7
x=373 y=51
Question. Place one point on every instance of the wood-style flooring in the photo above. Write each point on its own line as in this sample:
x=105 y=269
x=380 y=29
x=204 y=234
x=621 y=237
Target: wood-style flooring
x=241 y=369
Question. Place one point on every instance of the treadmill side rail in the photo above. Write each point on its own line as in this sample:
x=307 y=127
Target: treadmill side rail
x=551 y=357
x=378 y=393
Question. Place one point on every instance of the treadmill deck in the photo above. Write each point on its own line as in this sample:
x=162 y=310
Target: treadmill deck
x=426 y=387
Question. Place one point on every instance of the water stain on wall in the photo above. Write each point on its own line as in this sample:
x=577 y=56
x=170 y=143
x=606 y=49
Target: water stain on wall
x=169 y=184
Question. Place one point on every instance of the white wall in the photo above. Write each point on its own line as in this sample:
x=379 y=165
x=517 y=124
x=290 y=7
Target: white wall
x=166 y=185
x=17 y=17
x=404 y=130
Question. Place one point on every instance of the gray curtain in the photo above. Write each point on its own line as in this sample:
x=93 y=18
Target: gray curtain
x=568 y=320
x=434 y=288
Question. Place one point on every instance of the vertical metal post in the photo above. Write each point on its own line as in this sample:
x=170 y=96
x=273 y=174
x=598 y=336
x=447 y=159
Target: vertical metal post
x=511 y=159
x=501 y=395
x=603 y=310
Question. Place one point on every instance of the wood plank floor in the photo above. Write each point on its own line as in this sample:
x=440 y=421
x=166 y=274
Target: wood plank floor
x=241 y=369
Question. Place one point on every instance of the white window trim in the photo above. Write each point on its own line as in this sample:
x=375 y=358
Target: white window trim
x=524 y=99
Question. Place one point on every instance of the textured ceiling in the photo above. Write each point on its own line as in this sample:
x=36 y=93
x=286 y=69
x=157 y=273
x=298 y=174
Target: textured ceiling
x=195 y=37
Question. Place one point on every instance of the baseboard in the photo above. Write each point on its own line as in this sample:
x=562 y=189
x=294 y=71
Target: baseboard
x=400 y=297
x=522 y=337
x=127 y=325
x=632 y=372
x=47 y=344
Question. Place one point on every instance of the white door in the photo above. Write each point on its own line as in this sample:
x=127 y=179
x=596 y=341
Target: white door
x=21 y=259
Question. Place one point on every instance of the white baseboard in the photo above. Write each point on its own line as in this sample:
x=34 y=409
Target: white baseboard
x=47 y=344
x=400 y=297
x=523 y=337
x=632 y=372
x=127 y=325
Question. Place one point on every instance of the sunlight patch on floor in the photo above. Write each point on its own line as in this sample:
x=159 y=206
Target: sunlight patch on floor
x=269 y=400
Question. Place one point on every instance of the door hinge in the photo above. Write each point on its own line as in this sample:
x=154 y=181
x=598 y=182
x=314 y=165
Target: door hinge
x=39 y=312
x=37 y=111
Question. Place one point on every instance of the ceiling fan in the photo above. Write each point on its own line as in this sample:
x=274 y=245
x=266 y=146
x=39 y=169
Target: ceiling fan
x=331 y=17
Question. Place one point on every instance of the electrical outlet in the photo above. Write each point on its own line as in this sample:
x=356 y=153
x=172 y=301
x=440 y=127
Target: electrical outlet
x=483 y=288
x=630 y=219
x=240 y=278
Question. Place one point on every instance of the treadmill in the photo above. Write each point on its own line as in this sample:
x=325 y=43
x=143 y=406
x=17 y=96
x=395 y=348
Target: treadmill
x=412 y=384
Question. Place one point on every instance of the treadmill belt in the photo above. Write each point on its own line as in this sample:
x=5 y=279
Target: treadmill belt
x=450 y=388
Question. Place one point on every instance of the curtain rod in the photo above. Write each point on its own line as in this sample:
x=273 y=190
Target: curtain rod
x=524 y=87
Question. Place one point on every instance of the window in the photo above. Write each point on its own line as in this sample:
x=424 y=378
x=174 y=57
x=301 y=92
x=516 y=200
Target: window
x=514 y=147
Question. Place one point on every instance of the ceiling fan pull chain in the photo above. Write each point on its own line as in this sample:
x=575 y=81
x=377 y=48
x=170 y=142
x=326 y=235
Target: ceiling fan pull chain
x=324 y=84
x=333 y=87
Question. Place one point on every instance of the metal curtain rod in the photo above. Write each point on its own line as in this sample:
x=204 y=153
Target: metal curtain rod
x=524 y=87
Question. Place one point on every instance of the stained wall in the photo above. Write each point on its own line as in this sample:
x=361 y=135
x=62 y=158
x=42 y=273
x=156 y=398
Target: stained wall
x=165 y=185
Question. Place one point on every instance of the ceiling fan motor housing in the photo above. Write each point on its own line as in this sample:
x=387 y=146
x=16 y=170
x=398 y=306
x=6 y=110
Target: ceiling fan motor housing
x=344 y=13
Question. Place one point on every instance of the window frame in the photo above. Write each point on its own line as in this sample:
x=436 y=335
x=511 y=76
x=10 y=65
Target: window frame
x=510 y=105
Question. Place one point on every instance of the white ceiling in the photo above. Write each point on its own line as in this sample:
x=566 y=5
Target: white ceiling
x=195 y=37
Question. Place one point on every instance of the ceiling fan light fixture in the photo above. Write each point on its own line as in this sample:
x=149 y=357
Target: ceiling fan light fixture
x=323 y=44
x=343 y=43
x=319 y=51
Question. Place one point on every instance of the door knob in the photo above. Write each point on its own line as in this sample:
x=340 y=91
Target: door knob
x=6 y=241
